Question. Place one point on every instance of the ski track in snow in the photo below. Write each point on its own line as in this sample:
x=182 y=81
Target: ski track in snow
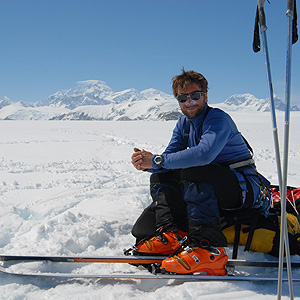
x=68 y=188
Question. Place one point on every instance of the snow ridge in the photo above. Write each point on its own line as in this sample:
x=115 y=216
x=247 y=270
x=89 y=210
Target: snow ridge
x=95 y=100
x=249 y=101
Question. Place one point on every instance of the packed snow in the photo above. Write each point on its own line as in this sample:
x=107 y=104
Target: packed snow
x=68 y=188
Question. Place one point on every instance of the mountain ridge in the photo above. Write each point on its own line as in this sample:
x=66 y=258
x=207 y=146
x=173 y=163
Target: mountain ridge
x=95 y=100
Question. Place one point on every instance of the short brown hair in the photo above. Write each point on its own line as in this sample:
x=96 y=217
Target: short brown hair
x=188 y=77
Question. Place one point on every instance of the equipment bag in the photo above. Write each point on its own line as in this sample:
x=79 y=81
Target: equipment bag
x=292 y=199
x=262 y=234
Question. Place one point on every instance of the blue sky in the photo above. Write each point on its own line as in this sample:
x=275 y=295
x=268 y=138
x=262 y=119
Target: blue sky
x=49 y=45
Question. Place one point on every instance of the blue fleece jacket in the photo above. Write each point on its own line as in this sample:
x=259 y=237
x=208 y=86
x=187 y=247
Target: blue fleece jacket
x=213 y=139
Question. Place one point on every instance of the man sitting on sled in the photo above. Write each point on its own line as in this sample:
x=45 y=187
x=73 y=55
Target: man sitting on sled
x=206 y=171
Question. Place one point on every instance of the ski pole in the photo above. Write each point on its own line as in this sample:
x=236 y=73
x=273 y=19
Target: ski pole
x=260 y=17
x=291 y=5
x=262 y=20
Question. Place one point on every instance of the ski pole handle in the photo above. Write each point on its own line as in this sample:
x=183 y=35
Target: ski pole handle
x=292 y=13
x=262 y=16
x=290 y=8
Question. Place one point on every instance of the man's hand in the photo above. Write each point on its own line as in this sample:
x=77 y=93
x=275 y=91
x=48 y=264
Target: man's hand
x=141 y=159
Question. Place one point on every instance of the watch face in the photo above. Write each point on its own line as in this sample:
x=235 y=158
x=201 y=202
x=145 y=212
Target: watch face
x=158 y=159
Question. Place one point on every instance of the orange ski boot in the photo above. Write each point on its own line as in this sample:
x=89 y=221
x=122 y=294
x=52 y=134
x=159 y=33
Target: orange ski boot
x=165 y=243
x=197 y=260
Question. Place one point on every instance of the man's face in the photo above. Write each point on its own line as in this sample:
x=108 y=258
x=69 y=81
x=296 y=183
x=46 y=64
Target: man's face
x=192 y=108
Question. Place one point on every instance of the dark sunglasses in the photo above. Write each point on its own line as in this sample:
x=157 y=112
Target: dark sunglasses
x=196 y=95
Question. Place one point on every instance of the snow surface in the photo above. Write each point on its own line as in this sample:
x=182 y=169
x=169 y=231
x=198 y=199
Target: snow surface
x=68 y=188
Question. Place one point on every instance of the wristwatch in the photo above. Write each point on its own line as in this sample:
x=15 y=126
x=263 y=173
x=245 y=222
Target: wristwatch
x=158 y=160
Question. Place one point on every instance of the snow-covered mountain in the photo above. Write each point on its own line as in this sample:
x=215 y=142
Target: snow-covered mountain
x=248 y=101
x=90 y=92
x=5 y=102
x=95 y=100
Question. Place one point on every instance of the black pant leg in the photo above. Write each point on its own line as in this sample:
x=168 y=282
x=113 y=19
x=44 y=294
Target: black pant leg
x=168 y=202
x=168 y=209
x=226 y=184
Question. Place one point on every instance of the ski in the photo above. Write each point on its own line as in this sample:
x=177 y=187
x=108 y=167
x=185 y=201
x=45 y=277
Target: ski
x=133 y=276
x=131 y=259
x=78 y=259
